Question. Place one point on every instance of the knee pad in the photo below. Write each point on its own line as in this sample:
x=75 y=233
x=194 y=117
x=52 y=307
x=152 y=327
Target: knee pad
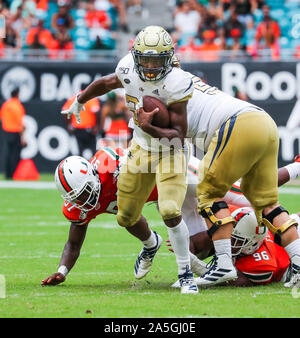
x=268 y=221
x=209 y=212
x=169 y=209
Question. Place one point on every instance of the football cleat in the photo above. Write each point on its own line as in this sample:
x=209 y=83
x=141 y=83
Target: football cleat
x=221 y=270
x=197 y=266
x=295 y=273
x=297 y=158
x=187 y=282
x=145 y=258
x=176 y=285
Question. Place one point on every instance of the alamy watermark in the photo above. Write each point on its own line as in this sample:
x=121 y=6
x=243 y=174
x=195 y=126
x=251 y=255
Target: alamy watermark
x=157 y=155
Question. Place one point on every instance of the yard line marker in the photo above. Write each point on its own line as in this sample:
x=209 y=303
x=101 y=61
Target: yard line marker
x=2 y=286
x=289 y=190
x=27 y=185
x=51 y=185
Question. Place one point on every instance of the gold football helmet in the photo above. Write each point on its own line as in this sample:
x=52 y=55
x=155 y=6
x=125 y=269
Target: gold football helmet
x=152 y=52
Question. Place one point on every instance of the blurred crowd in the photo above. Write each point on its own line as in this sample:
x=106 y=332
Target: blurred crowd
x=201 y=28
x=242 y=27
x=61 y=25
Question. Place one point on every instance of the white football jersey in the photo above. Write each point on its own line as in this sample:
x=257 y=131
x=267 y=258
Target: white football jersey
x=208 y=109
x=175 y=86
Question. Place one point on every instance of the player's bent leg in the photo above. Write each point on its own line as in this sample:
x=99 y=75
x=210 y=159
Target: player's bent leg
x=134 y=187
x=284 y=228
x=238 y=147
x=128 y=201
x=171 y=186
x=145 y=258
x=135 y=183
x=220 y=224
x=152 y=243
x=260 y=187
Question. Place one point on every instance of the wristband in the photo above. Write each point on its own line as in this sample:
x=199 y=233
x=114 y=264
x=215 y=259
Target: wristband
x=63 y=270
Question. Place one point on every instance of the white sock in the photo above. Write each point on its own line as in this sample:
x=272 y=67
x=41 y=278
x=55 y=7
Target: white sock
x=223 y=246
x=293 y=248
x=180 y=241
x=151 y=241
x=293 y=169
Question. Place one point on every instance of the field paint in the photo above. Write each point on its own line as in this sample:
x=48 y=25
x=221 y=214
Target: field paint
x=83 y=254
x=29 y=233
x=51 y=186
x=2 y=286
x=126 y=293
x=73 y=273
x=27 y=185
x=30 y=257
x=289 y=190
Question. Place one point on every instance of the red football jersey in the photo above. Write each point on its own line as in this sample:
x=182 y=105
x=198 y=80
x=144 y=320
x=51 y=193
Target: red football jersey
x=106 y=162
x=265 y=265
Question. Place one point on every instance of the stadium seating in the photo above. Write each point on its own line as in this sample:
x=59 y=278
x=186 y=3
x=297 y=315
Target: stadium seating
x=286 y=13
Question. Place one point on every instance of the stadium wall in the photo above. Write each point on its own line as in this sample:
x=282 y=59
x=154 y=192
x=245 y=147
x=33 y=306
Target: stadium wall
x=45 y=86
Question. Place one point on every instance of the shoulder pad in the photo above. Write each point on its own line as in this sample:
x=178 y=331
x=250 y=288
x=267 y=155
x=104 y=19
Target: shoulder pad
x=179 y=85
x=124 y=67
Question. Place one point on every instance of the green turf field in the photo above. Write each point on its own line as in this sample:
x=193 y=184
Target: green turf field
x=33 y=232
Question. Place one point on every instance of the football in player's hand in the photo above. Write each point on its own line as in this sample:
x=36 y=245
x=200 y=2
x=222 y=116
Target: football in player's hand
x=161 y=118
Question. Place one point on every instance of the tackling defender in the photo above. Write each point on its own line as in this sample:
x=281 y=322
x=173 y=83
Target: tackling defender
x=147 y=70
x=257 y=257
x=90 y=189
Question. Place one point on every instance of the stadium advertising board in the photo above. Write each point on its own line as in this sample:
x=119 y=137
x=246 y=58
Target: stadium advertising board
x=44 y=87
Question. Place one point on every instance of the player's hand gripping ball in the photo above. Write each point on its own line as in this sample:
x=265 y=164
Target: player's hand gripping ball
x=161 y=118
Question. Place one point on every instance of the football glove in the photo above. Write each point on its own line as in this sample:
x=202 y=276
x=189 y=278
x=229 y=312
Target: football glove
x=75 y=109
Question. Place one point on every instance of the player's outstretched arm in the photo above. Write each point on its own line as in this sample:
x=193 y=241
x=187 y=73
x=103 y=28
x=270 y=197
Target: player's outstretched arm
x=97 y=88
x=242 y=280
x=283 y=176
x=100 y=87
x=289 y=172
x=69 y=256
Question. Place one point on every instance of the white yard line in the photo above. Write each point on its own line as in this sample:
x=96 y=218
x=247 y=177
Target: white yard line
x=289 y=190
x=51 y=185
x=27 y=185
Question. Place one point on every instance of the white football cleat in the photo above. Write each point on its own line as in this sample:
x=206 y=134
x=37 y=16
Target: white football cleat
x=176 y=285
x=187 y=282
x=221 y=270
x=295 y=273
x=145 y=258
x=198 y=267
